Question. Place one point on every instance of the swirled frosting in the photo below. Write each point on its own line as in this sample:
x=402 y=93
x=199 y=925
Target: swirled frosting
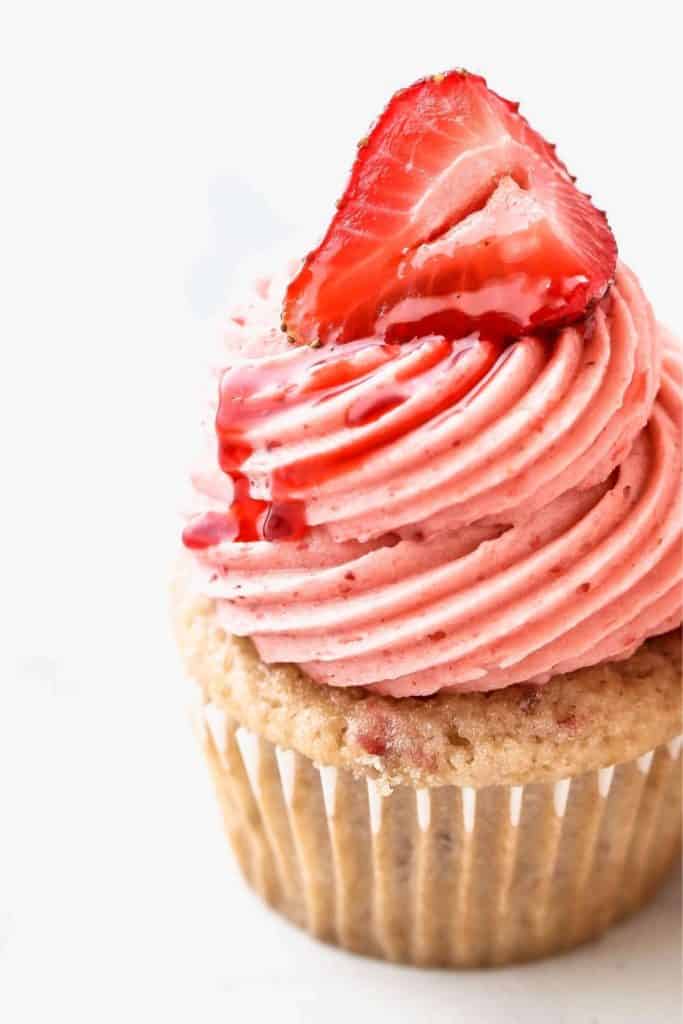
x=446 y=515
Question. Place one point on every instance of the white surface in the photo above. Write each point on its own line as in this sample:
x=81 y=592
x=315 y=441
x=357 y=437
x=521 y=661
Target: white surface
x=150 y=151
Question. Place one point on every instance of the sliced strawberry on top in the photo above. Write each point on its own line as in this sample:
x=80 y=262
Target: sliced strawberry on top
x=458 y=217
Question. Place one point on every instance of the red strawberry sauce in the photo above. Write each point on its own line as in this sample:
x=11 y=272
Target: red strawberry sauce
x=251 y=394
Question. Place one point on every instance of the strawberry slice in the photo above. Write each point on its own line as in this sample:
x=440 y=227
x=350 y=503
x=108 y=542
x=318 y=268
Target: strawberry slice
x=458 y=217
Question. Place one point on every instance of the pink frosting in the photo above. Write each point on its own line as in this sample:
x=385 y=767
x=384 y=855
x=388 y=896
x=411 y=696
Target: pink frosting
x=489 y=535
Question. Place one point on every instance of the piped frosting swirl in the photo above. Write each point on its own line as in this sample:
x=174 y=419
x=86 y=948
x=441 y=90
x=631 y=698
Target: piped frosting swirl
x=447 y=515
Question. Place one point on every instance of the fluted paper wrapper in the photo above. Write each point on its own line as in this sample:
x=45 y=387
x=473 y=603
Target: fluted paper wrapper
x=450 y=876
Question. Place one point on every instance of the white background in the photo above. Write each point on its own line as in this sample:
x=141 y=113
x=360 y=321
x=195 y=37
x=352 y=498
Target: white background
x=150 y=153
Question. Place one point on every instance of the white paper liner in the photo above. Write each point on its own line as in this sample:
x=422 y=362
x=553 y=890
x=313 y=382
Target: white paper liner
x=451 y=876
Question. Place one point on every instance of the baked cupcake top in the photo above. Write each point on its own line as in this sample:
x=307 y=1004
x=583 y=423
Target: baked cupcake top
x=606 y=714
x=458 y=466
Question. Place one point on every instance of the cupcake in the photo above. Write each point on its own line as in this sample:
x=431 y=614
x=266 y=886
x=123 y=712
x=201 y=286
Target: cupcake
x=430 y=590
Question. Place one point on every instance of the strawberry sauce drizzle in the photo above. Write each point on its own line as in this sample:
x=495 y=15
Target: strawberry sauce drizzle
x=208 y=529
x=251 y=394
x=367 y=410
x=248 y=519
x=307 y=473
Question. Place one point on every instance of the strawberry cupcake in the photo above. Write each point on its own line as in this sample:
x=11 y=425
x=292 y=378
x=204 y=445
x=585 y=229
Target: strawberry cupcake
x=431 y=586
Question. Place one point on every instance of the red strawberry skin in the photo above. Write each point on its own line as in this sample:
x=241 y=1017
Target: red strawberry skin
x=458 y=216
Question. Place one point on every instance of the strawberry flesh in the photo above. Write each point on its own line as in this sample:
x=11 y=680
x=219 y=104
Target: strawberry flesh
x=458 y=217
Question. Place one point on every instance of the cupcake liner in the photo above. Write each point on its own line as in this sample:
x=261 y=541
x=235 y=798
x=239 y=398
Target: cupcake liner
x=450 y=876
